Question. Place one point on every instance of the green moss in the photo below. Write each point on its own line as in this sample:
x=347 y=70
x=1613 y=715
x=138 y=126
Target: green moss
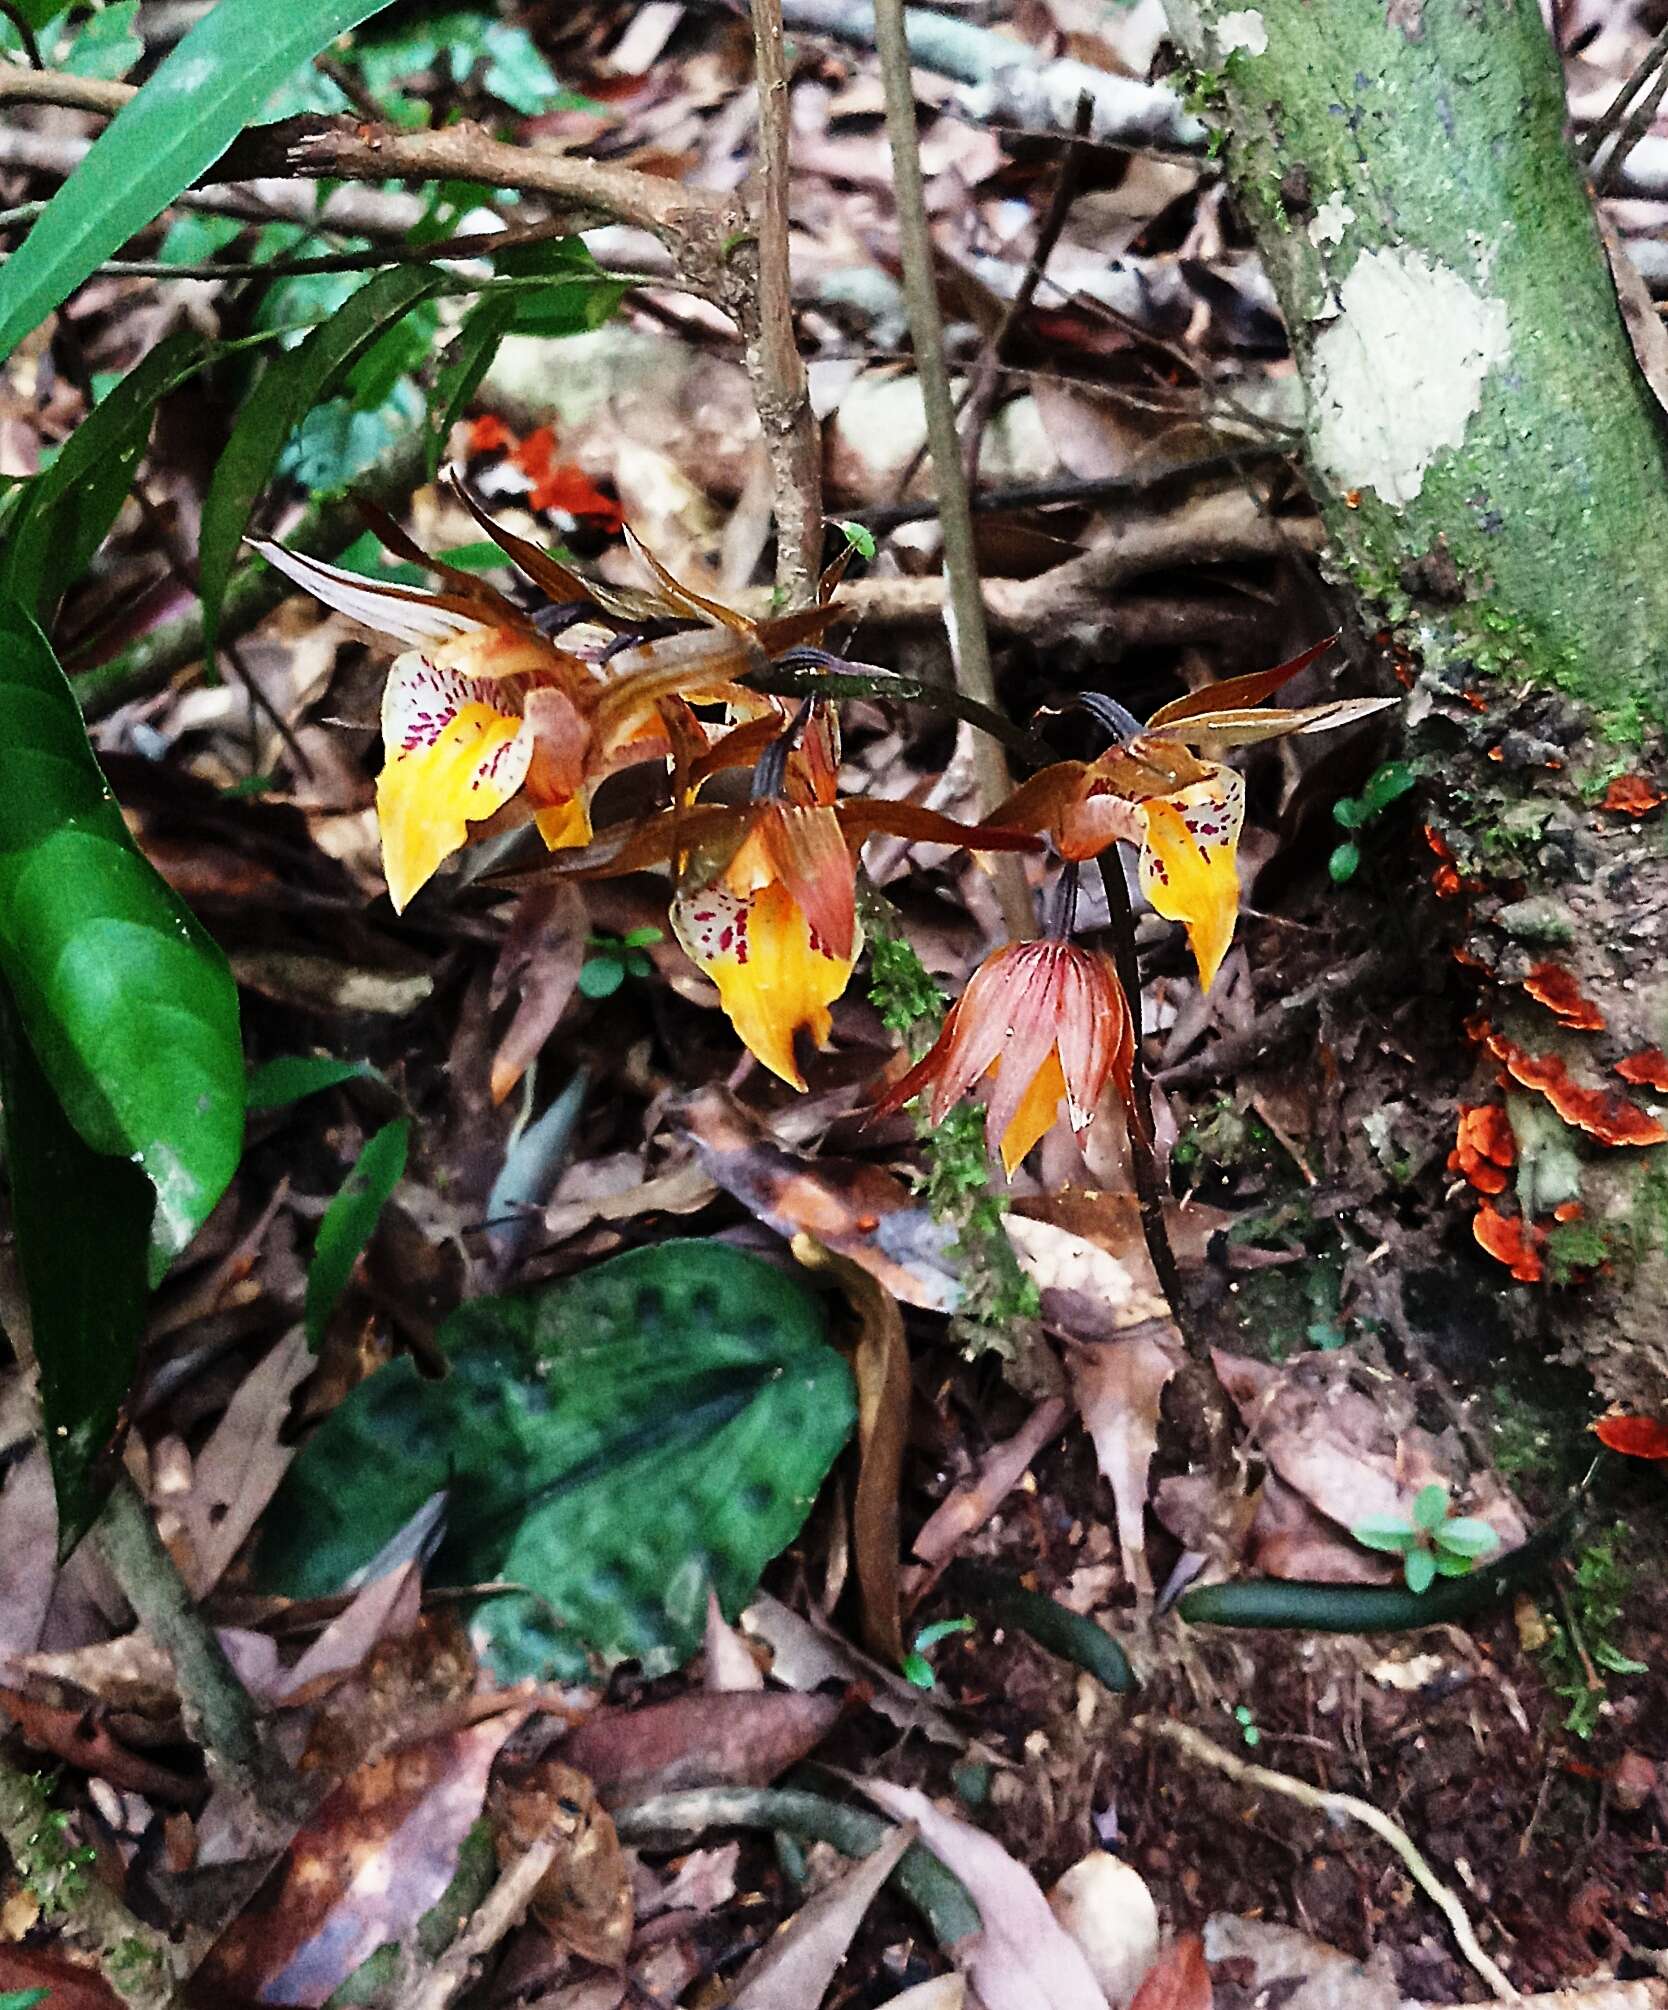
x=1599 y=1589
x=53 y=1870
x=1574 y=1249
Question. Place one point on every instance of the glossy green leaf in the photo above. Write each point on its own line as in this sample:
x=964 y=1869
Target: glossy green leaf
x=1344 y=863
x=468 y=358
x=69 y=508
x=1386 y=1533
x=82 y=1222
x=182 y=120
x=1388 y=785
x=1468 y=1536
x=275 y=407
x=128 y=1005
x=616 y=1444
x=350 y=1222
x=289 y=1077
x=1430 y=1507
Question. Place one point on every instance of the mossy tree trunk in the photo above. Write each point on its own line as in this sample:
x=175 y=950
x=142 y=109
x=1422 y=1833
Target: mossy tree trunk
x=1493 y=471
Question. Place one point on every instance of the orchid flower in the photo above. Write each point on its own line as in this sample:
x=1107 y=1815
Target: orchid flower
x=482 y=708
x=1185 y=812
x=1047 y=1019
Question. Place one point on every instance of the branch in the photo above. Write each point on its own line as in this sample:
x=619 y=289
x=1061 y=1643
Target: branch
x=964 y=611
x=1203 y=1751
x=774 y=364
x=500 y=1913
x=57 y=87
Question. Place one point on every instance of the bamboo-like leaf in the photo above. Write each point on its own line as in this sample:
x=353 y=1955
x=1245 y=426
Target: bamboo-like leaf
x=184 y=118
x=350 y=1221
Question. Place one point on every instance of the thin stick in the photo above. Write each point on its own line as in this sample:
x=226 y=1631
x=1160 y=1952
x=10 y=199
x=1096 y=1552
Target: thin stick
x=1149 y=1186
x=499 y=1914
x=1204 y=1751
x=25 y=33
x=964 y=610
x=777 y=369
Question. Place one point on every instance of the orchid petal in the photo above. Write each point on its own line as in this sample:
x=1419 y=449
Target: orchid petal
x=429 y=793
x=407 y=614
x=1096 y=1034
x=1034 y=1115
x=1244 y=728
x=1233 y=693
x=1189 y=863
x=809 y=855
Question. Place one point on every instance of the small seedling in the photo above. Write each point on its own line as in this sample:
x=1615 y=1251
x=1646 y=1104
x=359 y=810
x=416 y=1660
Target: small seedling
x=916 y=1667
x=1247 y=1725
x=1387 y=785
x=1429 y=1542
x=859 y=537
x=614 y=959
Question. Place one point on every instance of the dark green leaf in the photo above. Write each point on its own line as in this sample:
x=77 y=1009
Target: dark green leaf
x=128 y=1005
x=601 y=976
x=617 y=1444
x=290 y=384
x=1347 y=812
x=82 y=1222
x=1344 y=863
x=24 y=1999
x=107 y=46
x=1391 y=782
x=578 y=297
x=350 y=1221
x=184 y=117
x=68 y=509
x=292 y=1076
x=468 y=358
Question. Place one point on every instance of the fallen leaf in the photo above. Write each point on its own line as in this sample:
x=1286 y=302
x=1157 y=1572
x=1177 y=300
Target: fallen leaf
x=1021 y=1958
x=794 y=1969
x=806 y=1656
x=69 y=1985
x=584 y=1899
x=1104 y=1904
x=725 y=1739
x=1119 y=1385
x=542 y=954
x=370 y=1862
x=1324 y=1979
x=28 y=1552
x=970 y=1506
x=86 y=1742
x=728 y=1663
x=1179 y=1979
x=387 y=1606
x=1290 y=1538
x=1086 y=1290
x=238 y=1470
x=880 y=1364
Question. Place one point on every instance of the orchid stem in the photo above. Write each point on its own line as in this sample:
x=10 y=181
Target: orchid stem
x=1149 y=1183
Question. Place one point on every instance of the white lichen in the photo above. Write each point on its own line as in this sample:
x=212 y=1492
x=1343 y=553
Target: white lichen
x=1331 y=220
x=1399 y=371
x=1244 y=29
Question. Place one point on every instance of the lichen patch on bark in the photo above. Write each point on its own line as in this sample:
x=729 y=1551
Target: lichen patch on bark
x=1399 y=371
x=1244 y=29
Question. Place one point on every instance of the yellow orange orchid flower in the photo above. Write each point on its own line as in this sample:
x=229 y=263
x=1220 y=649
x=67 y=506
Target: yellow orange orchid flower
x=1046 y=1019
x=481 y=708
x=1152 y=789
x=766 y=899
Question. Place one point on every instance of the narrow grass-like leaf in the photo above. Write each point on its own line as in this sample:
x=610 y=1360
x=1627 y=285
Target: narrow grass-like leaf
x=467 y=360
x=82 y=1222
x=291 y=1076
x=127 y=1004
x=350 y=1221
x=275 y=407
x=184 y=118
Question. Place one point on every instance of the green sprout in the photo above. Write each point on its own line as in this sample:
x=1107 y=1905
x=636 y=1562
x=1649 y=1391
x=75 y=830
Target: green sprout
x=617 y=957
x=859 y=537
x=1247 y=1725
x=916 y=1667
x=1385 y=786
x=1429 y=1543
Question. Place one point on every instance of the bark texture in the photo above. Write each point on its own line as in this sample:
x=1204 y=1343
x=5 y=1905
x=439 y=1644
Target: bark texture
x=1493 y=472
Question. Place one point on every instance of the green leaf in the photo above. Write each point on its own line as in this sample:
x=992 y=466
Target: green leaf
x=468 y=358
x=291 y=1076
x=107 y=46
x=860 y=538
x=1430 y=1507
x=24 y=1999
x=350 y=1221
x=1419 y=1568
x=1388 y=785
x=601 y=976
x=183 y=119
x=68 y=510
x=1453 y=1566
x=1468 y=1536
x=578 y=297
x=275 y=407
x=82 y=1222
x=940 y=1629
x=196 y=239
x=1615 y=1662
x=1344 y=863
x=1386 y=1533
x=516 y=74
x=128 y=1005
x=1349 y=812
x=616 y=1444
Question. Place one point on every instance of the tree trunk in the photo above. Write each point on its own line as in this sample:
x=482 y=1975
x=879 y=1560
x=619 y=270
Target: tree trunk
x=1493 y=472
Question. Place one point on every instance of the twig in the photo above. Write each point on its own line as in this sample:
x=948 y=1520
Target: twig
x=964 y=612
x=91 y=1914
x=1149 y=1186
x=499 y=1914
x=25 y=32
x=1204 y=1751
x=775 y=366
x=57 y=87
x=1256 y=1045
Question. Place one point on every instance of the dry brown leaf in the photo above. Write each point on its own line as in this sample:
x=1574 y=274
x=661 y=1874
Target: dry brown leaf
x=880 y=1364
x=728 y=1739
x=71 y=1986
x=366 y=1867
x=584 y=1899
x=1021 y=1958
x=1179 y=1979
x=806 y=1656
x=541 y=957
x=28 y=1552
x=381 y=1610
x=793 y=1970
x=969 y=1507
x=1119 y=1385
x=1289 y=1538
x=728 y=1664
